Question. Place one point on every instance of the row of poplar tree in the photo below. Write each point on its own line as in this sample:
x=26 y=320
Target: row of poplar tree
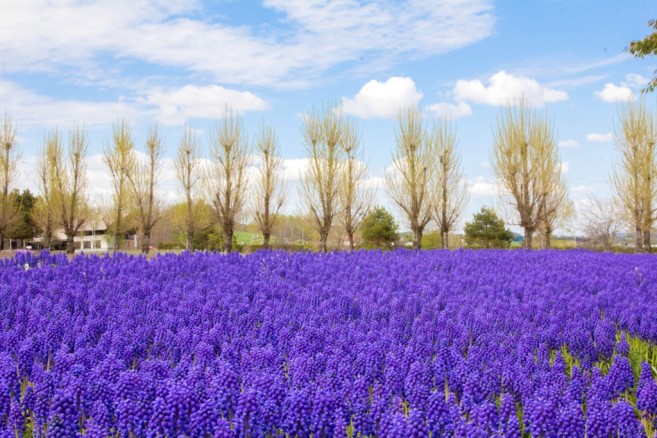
x=425 y=180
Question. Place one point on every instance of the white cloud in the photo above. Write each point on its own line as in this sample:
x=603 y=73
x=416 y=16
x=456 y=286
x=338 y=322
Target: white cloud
x=383 y=99
x=42 y=35
x=600 y=138
x=636 y=80
x=614 y=93
x=446 y=110
x=195 y=102
x=504 y=88
x=482 y=187
x=565 y=167
x=30 y=108
x=169 y=107
x=568 y=143
x=294 y=168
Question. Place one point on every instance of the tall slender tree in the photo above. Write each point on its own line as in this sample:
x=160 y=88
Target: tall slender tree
x=322 y=133
x=450 y=190
x=9 y=158
x=45 y=213
x=227 y=177
x=408 y=182
x=634 y=178
x=270 y=186
x=554 y=201
x=188 y=172
x=71 y=183
x=355 y=198
x=120 y=160
x=143 y=182
x=522 y=149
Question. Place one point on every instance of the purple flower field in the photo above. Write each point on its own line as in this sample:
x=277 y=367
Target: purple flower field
x=400 y=344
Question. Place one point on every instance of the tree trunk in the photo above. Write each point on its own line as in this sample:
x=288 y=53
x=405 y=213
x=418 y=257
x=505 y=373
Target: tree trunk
x=350 y=235
x=323 y=237
x=638 y=240
x=190 y=226
x=647 y=245
x=444 y=237
x=2 y=241
x=529 y=235
x=190 y=241
x=417 y=238
x=70 y=244
x=117 y=232
x=146 y=242
x=228 y=239
x=547 y=243
x=266 y=236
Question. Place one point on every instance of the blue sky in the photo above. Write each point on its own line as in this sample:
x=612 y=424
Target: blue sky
x=181 y=61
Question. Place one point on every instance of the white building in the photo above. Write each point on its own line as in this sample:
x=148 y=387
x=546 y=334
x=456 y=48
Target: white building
x=92 y=237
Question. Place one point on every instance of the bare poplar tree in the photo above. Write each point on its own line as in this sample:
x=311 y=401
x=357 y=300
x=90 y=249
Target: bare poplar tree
x=355 y=199
x=143 y=184
x=450 y=190
x=70 y=185
x=8 y=172
x=408 y=183
x=322 y=132
x=521 y=150
x=634 y=178
x=188 y=172
x=45 y=212
x=553 y=199
x=120 y=160
x=227 y=177
x=602 y=223
x=270 y=186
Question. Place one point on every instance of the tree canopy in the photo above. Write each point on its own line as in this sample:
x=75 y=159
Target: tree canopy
x=646 y=47
x=487 y=231
x=379 y=229
x=24 y=227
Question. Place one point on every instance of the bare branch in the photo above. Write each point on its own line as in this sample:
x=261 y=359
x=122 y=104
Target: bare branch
x=408 y=183
x=188 y=172
x=450 y=191
x=227 y=177
x=270 y=186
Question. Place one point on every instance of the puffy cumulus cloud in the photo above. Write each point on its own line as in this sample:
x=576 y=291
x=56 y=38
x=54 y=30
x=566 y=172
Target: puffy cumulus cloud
x=600 y=138
x=615 y=93
x=445 y=110
x=482 y=187
x=196 y=102
x=504 y=88
x=568 y=143
x=294 y=168
x=383 y=99
x=565 y=167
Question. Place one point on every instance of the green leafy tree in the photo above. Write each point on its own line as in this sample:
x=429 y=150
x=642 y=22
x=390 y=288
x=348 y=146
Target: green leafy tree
x=24 y=227
x=646 y=47
x=487 y=230
x=379 y=229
